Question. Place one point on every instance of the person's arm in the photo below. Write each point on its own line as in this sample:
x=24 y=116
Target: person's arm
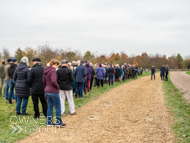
x=54 y=79
x=71 y=76
x=15 y=75
x=30 y=77
x=85 y=72
x=44 y=80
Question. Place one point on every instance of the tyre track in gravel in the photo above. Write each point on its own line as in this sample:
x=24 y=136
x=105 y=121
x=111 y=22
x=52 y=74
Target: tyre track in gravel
x=133 y=112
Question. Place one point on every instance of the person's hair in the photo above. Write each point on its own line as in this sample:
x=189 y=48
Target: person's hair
x=25 y=60
x=82 y=62
x=71 y=67
x=54 y=62
x=3 y=62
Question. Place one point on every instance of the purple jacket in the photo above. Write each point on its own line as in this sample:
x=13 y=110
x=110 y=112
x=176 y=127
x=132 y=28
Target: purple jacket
x=100 y=73
x=50 y=80
x=89 y=71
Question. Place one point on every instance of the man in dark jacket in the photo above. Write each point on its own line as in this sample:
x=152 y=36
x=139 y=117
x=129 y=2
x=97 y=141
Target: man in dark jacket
x=65 y=79
x=153 y=72
x=162 y=72
x=2 y=77
x=92 y=75
x=110 y=74
x=37 y=88
x=11 y=71
x=80 y=73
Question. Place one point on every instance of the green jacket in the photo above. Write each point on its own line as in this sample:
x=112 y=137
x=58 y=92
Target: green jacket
x=2 y=74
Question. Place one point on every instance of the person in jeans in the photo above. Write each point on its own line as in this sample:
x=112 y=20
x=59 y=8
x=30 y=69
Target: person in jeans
x=111 y=72
x=153 y=72
x=89 y=71
x=65 y=79
x=7 y=79
x=2 y=76
x=167 y=72
x=100 y=75
x=37 y=88
x=80 y=73
x=22 y=87
x=52 y=93
x=12 y=85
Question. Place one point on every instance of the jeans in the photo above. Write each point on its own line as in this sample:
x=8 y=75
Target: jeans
x=7 y=83
x=53 y=99
x=111 y=80
x=12 y=87
x=79 y=87
x=152 y=75
x=24 y=105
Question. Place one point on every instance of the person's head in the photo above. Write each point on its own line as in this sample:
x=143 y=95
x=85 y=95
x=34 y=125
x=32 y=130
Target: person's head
x=87 y=64
x=78 y=62
x=82 y=62
x=64 y=63
x=91 y=64
x=100 y=65
x=3 y=62
x=24 y=60
x=10 y=61
x=36 y=60
x=54 y=63
x=73 y=63
x=152 y=65
x=15 y=60
x=166 y=65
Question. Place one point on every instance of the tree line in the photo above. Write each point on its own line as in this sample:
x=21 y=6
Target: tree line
x=46 y=53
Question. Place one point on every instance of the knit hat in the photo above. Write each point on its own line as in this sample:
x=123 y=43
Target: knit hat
x=9 y=60
x=100 y=65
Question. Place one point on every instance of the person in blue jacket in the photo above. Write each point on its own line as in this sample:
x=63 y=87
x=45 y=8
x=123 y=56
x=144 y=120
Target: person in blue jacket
x=80 y=74
x=162 y=72
x=100 y=75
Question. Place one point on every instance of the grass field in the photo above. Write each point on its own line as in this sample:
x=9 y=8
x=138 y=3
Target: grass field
x=28 y=124
x=188 y=72
x=180 y=109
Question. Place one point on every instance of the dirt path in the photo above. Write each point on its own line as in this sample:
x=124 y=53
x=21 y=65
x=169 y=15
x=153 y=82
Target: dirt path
x=182 y=81
x=133 y=112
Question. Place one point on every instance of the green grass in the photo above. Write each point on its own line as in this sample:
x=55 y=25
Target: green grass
x=8 y=110
x=188 y=72
x=180 y=109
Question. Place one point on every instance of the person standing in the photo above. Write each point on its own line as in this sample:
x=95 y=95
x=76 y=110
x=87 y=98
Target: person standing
x=92 y=75
x=167 y=72
x=11 y=71
x=65 y=79
x=111 y=72
x=153 y=72
x=89 y=71
x=52 y=93
x=22 y=87
x=162 y=72
x=7 y=80
x=37 y=87
x=80 y=73
x=100 y=75
x=2 y=77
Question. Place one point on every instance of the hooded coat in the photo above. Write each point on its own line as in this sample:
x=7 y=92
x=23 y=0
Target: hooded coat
x=22 y=88
x=50 y=80
x=100 y=73
x=89 y=71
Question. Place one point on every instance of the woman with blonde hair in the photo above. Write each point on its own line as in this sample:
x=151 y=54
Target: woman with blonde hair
x=52 y=93
x=22 y=86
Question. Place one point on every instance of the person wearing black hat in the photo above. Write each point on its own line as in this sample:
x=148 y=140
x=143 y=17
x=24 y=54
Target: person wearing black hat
x=37 y=88
x=65 y=79
x=11 y=71
x=7 y=79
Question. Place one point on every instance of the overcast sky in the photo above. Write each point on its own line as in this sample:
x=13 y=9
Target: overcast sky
x=105 y=26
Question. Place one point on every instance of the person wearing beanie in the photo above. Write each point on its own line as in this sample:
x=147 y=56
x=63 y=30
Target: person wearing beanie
x=37 y=88
x=65 y=79
x=7 y=79
x=100 y=75
x=11 y=71
x=89 y=74
x=2 y=76
x=22 y=88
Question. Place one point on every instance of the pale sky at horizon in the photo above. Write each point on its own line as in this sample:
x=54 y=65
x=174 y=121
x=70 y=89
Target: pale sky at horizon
x=97 y=25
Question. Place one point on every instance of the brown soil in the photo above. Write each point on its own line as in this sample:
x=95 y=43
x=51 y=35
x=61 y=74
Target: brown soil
x=134 y=112
x=182 y=81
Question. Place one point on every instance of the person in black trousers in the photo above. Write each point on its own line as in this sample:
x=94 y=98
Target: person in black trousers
x=110 y=73
x=92 y=75
x=167 y=72
x=37 y=88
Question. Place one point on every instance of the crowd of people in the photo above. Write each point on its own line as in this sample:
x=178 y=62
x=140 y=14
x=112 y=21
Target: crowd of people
x=57 y=82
